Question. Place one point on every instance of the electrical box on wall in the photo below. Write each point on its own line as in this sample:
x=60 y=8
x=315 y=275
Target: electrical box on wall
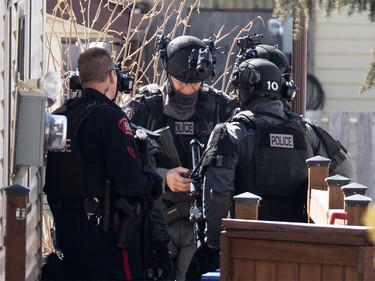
x=30 y=129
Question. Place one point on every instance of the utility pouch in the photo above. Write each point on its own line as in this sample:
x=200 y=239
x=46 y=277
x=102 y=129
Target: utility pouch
x=90 y=206
x=180 y=210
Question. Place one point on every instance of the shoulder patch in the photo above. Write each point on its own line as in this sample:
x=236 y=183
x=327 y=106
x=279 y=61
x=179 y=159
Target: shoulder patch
x=124 y=126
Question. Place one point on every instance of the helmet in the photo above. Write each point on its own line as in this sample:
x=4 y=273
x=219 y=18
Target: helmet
x=257 y=77
x=189 y=59
x=274 y=55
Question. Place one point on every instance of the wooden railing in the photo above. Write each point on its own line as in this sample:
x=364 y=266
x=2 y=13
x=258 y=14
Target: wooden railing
x=272 y=251
x=334 y=245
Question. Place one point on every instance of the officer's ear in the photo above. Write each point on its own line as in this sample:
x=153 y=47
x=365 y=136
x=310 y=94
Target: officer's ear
x=112 y=76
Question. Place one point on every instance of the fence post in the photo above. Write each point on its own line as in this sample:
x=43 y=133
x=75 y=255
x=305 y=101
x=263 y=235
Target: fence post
x=335 y=193
x=318 y=171
x=354 y=188
x=355 y=206
x=15 y=240
x=247 y=205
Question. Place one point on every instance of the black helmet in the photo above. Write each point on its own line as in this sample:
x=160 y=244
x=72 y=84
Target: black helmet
x=257 y=77
x=274 y=55
x=189 y=59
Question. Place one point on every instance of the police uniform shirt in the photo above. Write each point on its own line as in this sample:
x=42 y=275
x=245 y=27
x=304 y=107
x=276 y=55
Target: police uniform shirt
x=105 y=136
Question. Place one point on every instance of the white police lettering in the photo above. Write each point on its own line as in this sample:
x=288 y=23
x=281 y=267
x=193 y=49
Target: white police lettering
x=67 y=147
x=281 y=140
x=184 y=128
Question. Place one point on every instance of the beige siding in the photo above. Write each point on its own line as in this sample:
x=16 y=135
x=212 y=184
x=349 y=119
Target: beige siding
x=35 y=47
x=2 y=141
x=33 y=68
x=342 y=55
x=8 y=19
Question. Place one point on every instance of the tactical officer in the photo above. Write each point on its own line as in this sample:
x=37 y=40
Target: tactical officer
x=97 y=173
x=191 y=109
x=336 y=152
x=262 y=150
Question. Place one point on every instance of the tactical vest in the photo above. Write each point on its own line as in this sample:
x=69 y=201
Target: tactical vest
x=212 y=108
x=81 y=180
x=278 y=166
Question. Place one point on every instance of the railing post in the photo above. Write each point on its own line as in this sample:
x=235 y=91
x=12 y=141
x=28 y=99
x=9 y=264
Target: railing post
x=335 y=193
x=318 y=171
x=15 y=240
x=354 y=188
x=247 y=205
x=355 y=206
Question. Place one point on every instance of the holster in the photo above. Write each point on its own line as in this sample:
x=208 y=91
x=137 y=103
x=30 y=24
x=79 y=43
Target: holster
x=129 y=222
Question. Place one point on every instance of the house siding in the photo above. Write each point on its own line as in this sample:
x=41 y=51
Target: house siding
x=342 y=56
x=3 y=174
x=10 y=13
x=8 y=20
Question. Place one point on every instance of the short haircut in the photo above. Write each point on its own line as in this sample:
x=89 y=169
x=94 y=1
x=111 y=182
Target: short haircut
x=94 y=65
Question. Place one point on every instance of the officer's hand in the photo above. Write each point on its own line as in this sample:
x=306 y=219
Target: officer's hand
x=204 y=260
x=177 y=181
x=164 y=263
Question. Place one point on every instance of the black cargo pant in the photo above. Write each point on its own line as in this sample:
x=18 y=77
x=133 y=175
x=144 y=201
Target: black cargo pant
x=91 y=254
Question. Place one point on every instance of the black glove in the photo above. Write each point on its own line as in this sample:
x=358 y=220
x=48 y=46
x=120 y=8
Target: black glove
x=163 y=261
x=204 y=260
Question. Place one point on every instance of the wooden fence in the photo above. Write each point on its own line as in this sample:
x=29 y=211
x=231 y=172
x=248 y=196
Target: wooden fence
x=356 y=131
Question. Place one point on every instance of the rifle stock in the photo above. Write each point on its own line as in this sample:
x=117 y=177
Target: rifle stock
x=167 y=146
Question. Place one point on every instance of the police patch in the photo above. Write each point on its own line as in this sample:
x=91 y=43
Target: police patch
x=130 y=112
x=281 y=140
x=184 y=128
x=124 y=126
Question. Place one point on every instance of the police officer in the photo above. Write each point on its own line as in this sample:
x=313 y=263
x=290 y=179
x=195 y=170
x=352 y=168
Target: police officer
x=334 y=149
x=262 y=150
x=99 y=165
x=191 y=109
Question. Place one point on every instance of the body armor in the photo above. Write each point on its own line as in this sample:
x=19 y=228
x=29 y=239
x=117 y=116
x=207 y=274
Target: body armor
x=279 y=166
x=83 y=180
x=213 y=107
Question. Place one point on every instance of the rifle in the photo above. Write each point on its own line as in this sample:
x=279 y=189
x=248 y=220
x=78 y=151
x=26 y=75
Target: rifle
x=196 y=210
x=167 y=145
x=148 y=145
x=147 y=142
